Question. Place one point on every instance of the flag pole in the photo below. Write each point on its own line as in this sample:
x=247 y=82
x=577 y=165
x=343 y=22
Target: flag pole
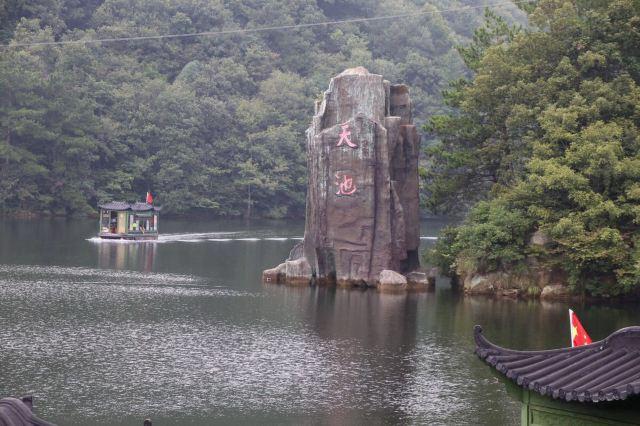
x=571 y=327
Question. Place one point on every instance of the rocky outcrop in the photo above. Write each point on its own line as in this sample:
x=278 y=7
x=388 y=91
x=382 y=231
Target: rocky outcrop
x=532 y=281
x=483 y=284
x=362 y=195
x=556 y=292
x=539 y=238
x=537 y=276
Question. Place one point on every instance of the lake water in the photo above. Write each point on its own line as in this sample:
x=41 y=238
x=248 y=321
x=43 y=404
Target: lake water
x=183 y=331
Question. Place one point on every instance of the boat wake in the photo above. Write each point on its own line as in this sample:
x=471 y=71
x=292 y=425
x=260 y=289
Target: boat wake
x=216 y=237
x=200 y=238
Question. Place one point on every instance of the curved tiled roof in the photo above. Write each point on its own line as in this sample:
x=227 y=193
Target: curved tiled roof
x=121 y=206
x=602 y=371
x=115 y=205
x=143 y=207
x=18 y=412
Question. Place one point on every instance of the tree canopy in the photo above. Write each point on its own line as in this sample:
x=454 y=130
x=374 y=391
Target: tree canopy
x=546 y=138
x=211 y=125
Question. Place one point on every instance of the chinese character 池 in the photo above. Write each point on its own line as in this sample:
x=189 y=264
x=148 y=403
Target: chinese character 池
x=345 y=137
x=345 y=184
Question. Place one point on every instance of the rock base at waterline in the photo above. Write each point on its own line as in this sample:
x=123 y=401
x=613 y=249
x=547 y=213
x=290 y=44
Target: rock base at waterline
x=388 y=281
x=536 y=282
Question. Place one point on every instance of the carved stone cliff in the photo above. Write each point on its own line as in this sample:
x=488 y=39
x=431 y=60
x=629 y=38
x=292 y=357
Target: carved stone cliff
x=362 y=198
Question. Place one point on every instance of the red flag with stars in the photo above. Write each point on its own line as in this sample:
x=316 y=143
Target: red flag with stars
x=149 y=198
x=579 y=336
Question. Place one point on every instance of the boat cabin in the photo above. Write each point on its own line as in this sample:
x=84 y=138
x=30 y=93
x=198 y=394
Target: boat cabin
x=128 y=221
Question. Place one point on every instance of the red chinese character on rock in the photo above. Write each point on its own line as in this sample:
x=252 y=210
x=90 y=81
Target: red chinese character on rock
x=345 y=185
x=345 y=137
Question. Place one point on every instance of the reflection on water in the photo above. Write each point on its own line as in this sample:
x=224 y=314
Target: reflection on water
x=139 y=256
x=183 y=331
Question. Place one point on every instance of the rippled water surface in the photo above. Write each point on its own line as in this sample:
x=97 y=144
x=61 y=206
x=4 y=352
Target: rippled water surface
x=181 y=330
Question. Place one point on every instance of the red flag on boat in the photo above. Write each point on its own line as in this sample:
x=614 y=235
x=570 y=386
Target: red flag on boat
x=149 y=198
x=579 y=336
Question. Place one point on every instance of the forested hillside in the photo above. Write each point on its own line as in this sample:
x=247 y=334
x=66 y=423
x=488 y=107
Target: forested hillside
x=547 y=139
x=212 y=125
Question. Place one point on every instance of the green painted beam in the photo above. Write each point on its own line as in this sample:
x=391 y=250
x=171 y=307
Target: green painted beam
x=539 y=410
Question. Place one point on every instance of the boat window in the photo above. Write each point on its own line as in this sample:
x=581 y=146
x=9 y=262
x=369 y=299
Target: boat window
x=142 y=223
x=105 y=220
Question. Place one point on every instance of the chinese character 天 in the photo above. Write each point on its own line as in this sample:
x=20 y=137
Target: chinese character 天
x=345 y=137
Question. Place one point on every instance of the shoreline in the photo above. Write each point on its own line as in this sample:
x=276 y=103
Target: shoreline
x=552 y=292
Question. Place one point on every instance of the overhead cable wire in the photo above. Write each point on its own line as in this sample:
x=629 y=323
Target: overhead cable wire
x=263 y=29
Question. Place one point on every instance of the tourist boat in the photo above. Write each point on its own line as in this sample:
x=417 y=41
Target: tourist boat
x=128 y=221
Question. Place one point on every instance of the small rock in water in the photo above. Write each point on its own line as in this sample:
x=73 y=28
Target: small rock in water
x=274 y=275
x=420 y=281
x=391 y=281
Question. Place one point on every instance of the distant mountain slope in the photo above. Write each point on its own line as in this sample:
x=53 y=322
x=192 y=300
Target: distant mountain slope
x=212 y=125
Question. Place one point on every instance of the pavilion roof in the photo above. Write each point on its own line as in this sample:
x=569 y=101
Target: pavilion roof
x=606 y=370
x=123 y=206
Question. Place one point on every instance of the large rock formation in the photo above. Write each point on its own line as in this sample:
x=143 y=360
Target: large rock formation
x=362 y=197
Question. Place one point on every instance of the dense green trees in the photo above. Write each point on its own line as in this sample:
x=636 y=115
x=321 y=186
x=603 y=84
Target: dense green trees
x=548 y=137
x=212 y=125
